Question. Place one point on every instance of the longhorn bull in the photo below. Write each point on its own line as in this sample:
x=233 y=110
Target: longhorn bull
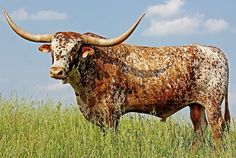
x=111 y=78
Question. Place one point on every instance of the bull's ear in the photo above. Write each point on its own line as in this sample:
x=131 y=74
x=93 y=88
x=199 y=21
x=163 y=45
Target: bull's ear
x=45 y=48
x=86 y=50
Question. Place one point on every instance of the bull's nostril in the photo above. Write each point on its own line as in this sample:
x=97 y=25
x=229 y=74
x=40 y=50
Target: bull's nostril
x=60 y=72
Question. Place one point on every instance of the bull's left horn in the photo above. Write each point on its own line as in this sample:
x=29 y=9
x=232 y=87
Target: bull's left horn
x=110 y=42
x=45 y=38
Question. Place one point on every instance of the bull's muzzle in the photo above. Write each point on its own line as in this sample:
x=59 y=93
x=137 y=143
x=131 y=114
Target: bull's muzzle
x=57 y=73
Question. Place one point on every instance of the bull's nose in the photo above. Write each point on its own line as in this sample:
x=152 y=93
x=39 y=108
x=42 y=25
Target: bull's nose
x=57 y=72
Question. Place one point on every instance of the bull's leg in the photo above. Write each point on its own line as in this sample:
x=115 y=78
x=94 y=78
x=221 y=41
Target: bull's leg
x=108 y=118
x=198 y=117
x=110 y=123
x=216 y=121
x=163 y=119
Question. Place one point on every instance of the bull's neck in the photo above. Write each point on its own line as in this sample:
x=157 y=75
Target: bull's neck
x=82 y=75
x=73 y=80
x=82 y=78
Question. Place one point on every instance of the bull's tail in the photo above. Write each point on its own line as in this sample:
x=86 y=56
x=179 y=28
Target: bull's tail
x=227 y=114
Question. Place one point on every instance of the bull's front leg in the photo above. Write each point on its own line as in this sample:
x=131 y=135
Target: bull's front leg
x=105 y=116
x=100 y=112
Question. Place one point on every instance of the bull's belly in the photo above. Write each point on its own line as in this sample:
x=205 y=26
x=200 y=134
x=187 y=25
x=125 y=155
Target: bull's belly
x=162 y=104
x=162 y=111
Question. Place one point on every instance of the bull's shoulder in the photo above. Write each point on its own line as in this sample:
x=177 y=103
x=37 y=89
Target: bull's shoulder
x=94 y=35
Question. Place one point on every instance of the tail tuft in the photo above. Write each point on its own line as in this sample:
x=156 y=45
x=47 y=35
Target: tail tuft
x=227 y=114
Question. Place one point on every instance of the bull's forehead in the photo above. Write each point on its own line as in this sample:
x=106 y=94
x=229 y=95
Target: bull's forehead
x=63 y=42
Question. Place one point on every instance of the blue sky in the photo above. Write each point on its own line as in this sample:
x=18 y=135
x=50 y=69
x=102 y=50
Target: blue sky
x=167 y=22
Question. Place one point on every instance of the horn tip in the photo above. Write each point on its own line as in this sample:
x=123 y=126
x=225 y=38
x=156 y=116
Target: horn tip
x=143 y=15
x=4 y=10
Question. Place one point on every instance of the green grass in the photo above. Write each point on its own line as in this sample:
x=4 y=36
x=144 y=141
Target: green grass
x=45 y=129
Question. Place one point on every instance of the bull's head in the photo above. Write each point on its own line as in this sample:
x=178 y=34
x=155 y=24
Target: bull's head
x=65 y=46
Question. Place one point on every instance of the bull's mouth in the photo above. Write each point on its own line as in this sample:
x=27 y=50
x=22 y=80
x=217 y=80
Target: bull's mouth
x=62 y=78
x=60 y=73
x=58 y=76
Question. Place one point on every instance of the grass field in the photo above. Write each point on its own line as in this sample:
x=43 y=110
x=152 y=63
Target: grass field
x=44 y=129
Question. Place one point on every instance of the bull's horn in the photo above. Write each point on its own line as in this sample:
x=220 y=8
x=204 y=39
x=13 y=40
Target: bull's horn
x=110 y=42
x=46 y=38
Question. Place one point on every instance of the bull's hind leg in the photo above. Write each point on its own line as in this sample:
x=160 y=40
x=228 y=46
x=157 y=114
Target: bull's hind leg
x=198 y=118
x=216 y=121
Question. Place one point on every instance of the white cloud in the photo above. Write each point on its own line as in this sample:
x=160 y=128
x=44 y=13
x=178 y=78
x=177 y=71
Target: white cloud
x=215 y=25
x=48 y=15
x=170 y=8
x=184 y=25
x=58 y=86
x=23 y=14
x=20 y=14
x=170 y=22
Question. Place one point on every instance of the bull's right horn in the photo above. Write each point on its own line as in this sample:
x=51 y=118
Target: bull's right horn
x=45 y=38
